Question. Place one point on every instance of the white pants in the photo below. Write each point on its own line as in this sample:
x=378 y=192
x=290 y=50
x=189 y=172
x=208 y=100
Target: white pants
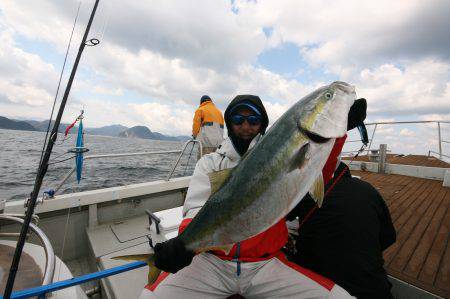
x=211 y=136
x=210 y=277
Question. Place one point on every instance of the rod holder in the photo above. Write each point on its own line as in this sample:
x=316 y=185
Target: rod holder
x=152 y=217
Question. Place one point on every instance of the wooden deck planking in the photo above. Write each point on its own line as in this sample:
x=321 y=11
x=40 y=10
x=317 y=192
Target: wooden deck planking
x=389 y=186
x=410 y=244
x=406 y=197
x=443 y=278
x=417 y=160
x=420 y=254
x=406 y=222
x=421 y=216
x=412 y=202
x=409 y=188
x=381 y=182
x=435 y=260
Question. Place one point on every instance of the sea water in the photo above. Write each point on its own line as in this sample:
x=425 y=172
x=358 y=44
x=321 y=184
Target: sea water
x=20 y=152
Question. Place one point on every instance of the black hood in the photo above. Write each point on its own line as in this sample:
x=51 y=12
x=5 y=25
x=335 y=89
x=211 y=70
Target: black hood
x=253 y=100
x=240 y=145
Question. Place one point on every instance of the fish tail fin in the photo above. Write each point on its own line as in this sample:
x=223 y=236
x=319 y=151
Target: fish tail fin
x=153 y=272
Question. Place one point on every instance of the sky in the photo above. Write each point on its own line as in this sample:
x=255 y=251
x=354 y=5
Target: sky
x=157 y=58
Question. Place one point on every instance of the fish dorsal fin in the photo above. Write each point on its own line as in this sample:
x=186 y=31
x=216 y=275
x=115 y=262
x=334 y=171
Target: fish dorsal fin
x=218 y=178
x=299 y=159
x=317 y=190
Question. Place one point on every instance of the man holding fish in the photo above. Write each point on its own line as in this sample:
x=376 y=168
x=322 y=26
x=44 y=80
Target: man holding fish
x=233 y=229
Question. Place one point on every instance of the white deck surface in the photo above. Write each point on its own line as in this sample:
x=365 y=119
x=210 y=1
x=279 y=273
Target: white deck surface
x=129 y=237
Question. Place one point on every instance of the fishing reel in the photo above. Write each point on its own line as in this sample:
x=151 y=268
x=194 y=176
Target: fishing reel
x=78 y=150
x=39 y=200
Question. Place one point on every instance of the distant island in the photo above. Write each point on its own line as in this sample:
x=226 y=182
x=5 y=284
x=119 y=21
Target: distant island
x=112 y=130
x=11 y=124
x=144 y=133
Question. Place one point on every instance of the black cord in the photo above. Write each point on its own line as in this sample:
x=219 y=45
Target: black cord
x=59 y=84
x=60 y=155
x=60 y=161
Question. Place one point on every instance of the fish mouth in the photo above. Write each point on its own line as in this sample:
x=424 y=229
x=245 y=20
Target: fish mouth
x=314 y=137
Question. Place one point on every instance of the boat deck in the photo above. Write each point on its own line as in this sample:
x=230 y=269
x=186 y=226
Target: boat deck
x=420 y=212
x=417 y=160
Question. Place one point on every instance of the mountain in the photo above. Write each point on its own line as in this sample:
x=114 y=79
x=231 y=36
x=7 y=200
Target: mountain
x=145 y=133
x=137 y=132
x=43 y=125
x=160 y=136
x=6 y=123
x=113 y=130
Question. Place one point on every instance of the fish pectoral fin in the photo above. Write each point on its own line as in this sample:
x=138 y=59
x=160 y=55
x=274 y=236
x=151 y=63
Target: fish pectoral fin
x=225 y=248
x=218 y=178
x=300 y=157
x=153 y=272
x=317 y=190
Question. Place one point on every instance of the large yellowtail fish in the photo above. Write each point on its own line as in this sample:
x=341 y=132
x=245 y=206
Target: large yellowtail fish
x=273 y=177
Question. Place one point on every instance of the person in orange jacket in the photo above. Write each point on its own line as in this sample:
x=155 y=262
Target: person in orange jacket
x=207 y=126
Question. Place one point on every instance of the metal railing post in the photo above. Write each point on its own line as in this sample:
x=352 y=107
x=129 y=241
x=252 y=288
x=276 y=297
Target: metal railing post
x=64 y=180
x=440 y=140
x=382 y=158
x=181 y=154
x=371 y=139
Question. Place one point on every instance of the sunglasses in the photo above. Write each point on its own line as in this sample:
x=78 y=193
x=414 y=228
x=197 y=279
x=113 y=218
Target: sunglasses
x=252 y=120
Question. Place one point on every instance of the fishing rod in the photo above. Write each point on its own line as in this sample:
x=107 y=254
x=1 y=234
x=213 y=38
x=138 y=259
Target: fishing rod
x=43 y=166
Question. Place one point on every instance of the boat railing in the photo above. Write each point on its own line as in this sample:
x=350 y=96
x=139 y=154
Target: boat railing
x=377 y=124
x=193 y=141
x=433 y=152
x=103 y=156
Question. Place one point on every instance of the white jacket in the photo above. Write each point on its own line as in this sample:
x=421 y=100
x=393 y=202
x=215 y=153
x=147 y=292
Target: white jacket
x=199 y=187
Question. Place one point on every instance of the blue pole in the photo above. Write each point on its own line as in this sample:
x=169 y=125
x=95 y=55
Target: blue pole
x=79 y=155
x=37 y=291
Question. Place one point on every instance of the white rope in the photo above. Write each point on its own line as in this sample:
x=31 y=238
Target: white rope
x=64 y=243
x=105 y=24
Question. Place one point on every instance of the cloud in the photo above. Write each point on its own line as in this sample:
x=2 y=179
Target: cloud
x=356 y=33
x=25 y=79
x=107 y=91
x=419 y=88
x=171 y=53
x=164 y=118
x=207 y=34
x=173 y=80
x=407 y=133
x=31 y=19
